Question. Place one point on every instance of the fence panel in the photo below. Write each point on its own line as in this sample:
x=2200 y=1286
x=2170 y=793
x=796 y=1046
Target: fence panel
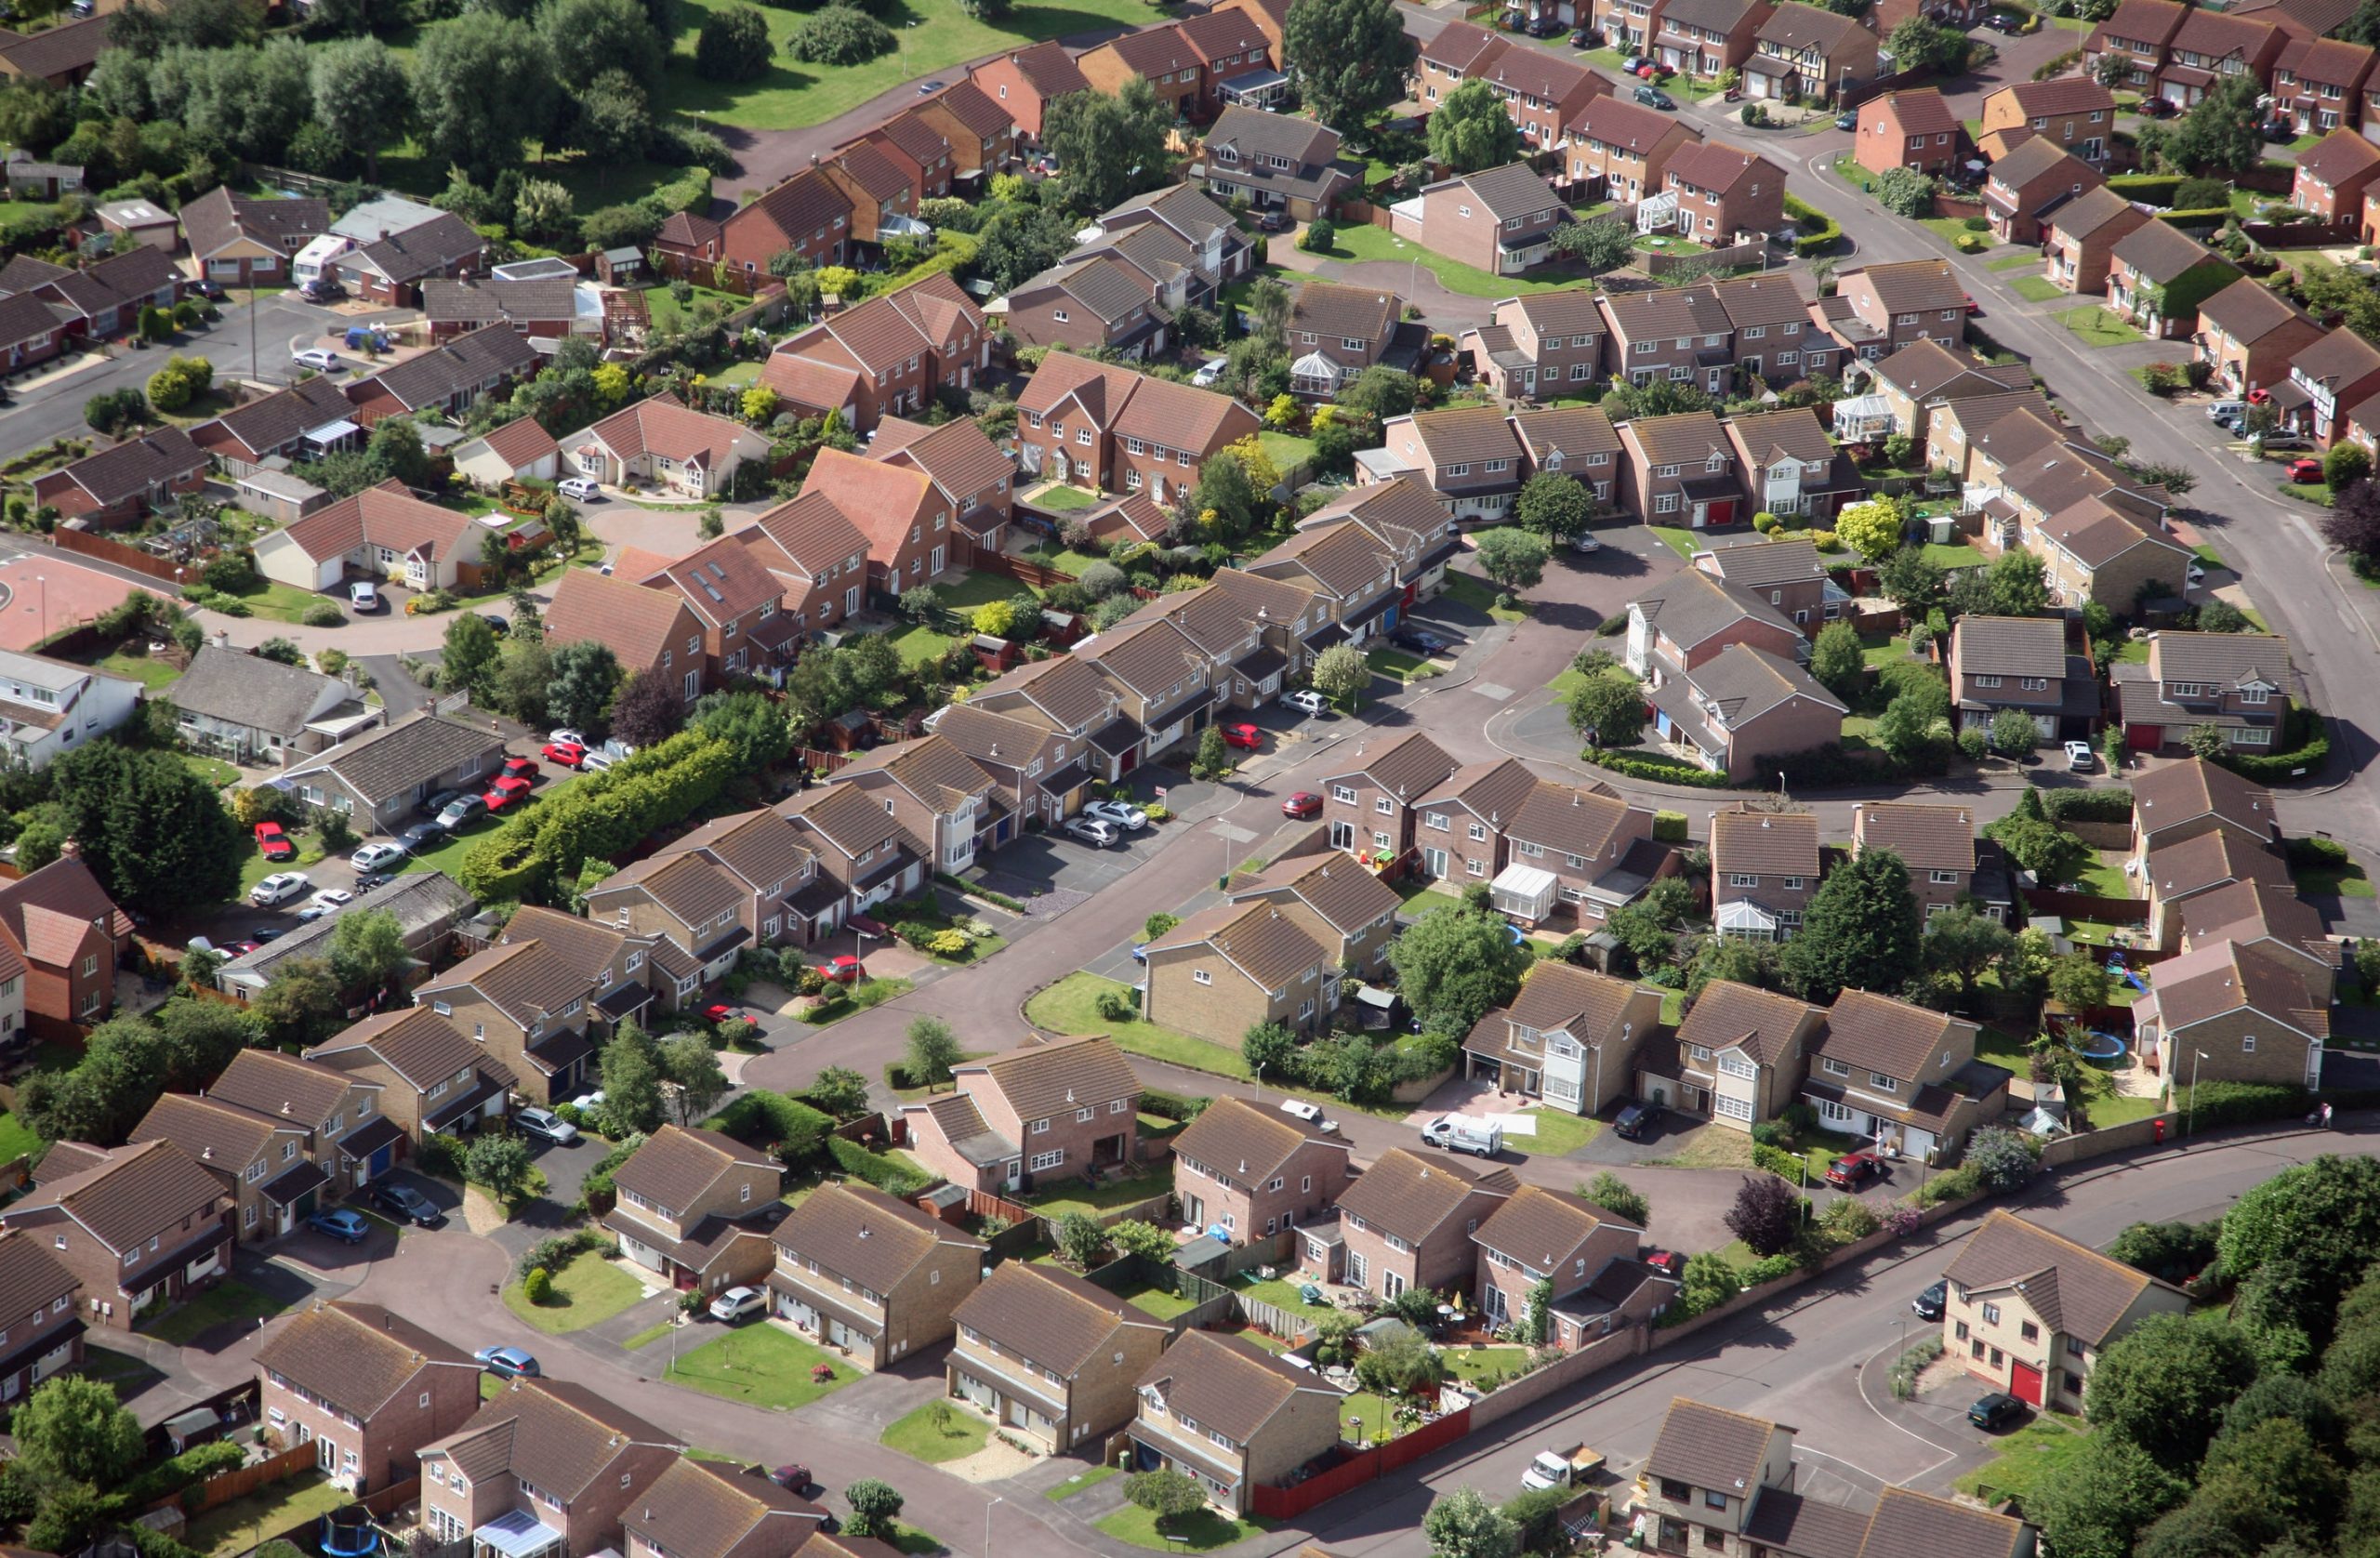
x=243 y=1480
x=68 y=539
x=2087 y=905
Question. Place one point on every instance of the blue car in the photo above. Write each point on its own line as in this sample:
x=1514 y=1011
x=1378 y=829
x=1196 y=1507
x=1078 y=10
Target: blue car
x=345 y=1226
x=507 y=1363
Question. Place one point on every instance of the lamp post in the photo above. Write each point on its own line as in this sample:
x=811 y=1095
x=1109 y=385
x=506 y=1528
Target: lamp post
x=43 y=603
x=2190 y=1121
x=987 y=1524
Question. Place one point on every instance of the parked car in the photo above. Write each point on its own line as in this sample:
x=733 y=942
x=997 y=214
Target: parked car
x=1854 y=1170
x=2001 y=22
x=240 y=948
x=595 y=763
x=2079 y=757
x=1298 y=1109
x=1995 y=1411
x=2305 y=471
x=334 y=897
x=2158 y=108
x=563 y=754
x=1308 y=703
x=497 y=623
x=2225 y=411
x=213 y=292
x=312 y=913
x=321 y=362
x=585 y=1102
x=1544 y=27
x=1420 y=640
x=320 y=290
x=280 y=888
x=525 y=768
x=1585 y=542
x=363 y=595
x=1847 y=120
x=844 y=969
x=404 y=1202
x=1118 y=814
x=371 y=879
x=1586 y=37
x=422 y=836
x=1929 y=1304
x=1669 y=1262
x=509 y=1363
x=341 y=1223
x=1272 y=222
x=273 y=843
x=546 y=1125
x=1244 y=736
x=441 y=800
x=462 y=813
x=737 y=1303
x=506 y=794
x=1653 y=97
x=1090 y=830
x=1305 y=803
x=1209 y=372
x=1637 y=1121
x=2274 y=443
x=581 y=488
x=565 y=737
x=719 y=1011
x=371 y=857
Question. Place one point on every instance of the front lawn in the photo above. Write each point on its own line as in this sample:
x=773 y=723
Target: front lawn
x=243 y=1523
x=2041 y=1451
x=919 y=1437
x=1399 y=665
x=226 y=1302
x=761 y=1365
x=1071 y=1007
x=1481 y=596
x=1060 y=499
x=1202 y=1532
x=2037 y=289
x=1678 y=539
x=2312 y=881
x=1559 y=1133
x=2012 y=263
x=2098 y=327
x=588 y=1290
x=1081 y=1482
x=280 y=602
x=1368 y=242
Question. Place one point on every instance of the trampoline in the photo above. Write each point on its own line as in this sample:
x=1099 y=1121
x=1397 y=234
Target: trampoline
x=349 y=1533
x=2094 y=1045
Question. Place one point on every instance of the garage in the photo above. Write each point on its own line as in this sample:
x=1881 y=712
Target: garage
x=2025 y=1383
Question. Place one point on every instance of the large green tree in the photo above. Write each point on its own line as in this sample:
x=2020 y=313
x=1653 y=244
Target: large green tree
x=1109 y=146
x=1471 y=130
x=749 y=722
x=153 y=829
x=2220 y=134
x=468 y=659
x=2102 y=1497
x=1862 y=931
x=630 y=1067
x=2323 y=1216
x=1608 y=709
x=2164 y=1385
x=586 y=674
x=1464 y=1524
x=362 y=96
x=1456 y=962
x=1966 y=945
x=73 y=1430
x=585 y=38
x=483 y=84
x=367 y=948
x=1349 y=58
x=1553 y=506
x=1837 y=661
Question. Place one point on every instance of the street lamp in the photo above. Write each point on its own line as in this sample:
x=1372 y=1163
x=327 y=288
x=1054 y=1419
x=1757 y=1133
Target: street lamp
x=43 y=580
x=987 y=1524
x=2190 y=1121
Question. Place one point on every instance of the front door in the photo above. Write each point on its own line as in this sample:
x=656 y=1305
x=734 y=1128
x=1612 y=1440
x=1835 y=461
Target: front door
x=2025 y=1383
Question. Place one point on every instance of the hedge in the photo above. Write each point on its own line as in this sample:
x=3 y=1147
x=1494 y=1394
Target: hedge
x=169 y=1477
x=597 y=817
x=1172 y=1106
x=1661 y=771
x=1777 y=1160
x=1669 y=827
x=2273 y=766
x=2240 y=1103
x=1805 y=214
x=881 y=1172
x=2204 y=216
x=760 y=1118
x=2326 y=854
x=2151 y=188
x=2087 y=806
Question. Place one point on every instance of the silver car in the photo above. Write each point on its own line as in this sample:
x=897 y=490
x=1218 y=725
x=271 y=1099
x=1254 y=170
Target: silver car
x=1090 y=830
x=1118 y=815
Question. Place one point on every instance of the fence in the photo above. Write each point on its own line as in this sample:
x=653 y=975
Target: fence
x=1363 y=1466
x=1290 y=1325
x=1022 y=569
x=2101 y=836
x=2087 y=905
x=68 y=539
x=1658 y=264
x=241 y=1481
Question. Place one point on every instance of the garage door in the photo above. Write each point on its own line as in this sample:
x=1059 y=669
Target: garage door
x=2025 y=1383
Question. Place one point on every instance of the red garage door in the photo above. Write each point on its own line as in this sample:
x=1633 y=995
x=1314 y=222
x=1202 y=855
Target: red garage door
x=2025 y=1383
x=2144 y=738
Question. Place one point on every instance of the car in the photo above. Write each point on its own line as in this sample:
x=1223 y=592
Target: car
x=506 y=794
x=371 y=879
x=1209 y=372
x=1585 y=542
x=371 y=857
x=1854 y=1170
x=928 y=88
x=520 y=768
x=866 y=926
x=1669 y=1262
x=563 y=754
x=1929 y=1304
x=497 y=623
x=334 y=897
x=545 y=1125
x=1308 y=703
x=1847 y=120
x=2079 y=757
x=441 y=800
x=2158 y=108
x=1420 y=640
x=844 y=969
x=585 y=1102
x=597 y=763
x=1995 y=1411
x=1544 y=27
x=2305 y=471
x=1090 y=830
x=719 y=1011
x=2001 y=22
x=312 y=913
x=264 y=933
x=2260 y=396
x=1653 y=97
x=422 y=836
x=1637 y=1121
x=239 y=949
x=1140 y=952
x=1272 y=222
x=403 y=1201
x=1586 y=37
x=795 y=1478
x=509 y=1363
x=317 y=359
x=280 y=888
x=273 y=843
x=320 y=290
x=582 y=489
x=1298 y=1109
x=1305 y=803
x=2274 y=443
x=461 y=814
x=213 y=292
x=1244 y=736
x=1118 y=813
x=737 y=1303
x=340 y=1223
x=363 y=595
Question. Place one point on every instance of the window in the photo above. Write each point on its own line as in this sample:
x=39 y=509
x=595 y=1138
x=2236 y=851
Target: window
x=1713 y=1499
x=1883 y=1083
x=2248 y=1044
x=1041 y=1127
x=1340 y=792
x=1048 y=1160
x=1200 y=976
x=1991 y=1315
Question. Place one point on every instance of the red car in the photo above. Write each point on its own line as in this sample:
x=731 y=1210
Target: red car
x=844 y=969
x=1305 y=804
x=520 y=768
x=564 y=754
x=505 y=794
x=1854 y=1170
x=1669 y=1262
x=274 y=843
x=1243 y=735
x=867 y=927
x=2260 y=396
x=2299 y=470
x=719 y=1011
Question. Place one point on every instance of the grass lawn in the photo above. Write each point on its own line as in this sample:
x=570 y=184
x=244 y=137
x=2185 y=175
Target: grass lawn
x=1999 y=1047
x=887 y=989
x=215 y=770
x=1157 y=1302
x=1365 y=1416
x=446 y=857
x=975 y=589
x=1272 y=1290
x=2036 y=1452
x=1111 y=1194
x=1287 y=450
x=1202 y=1532
x=670 y=314
x=1472 y=1364
x=742 y=376
x=1952 y=554
x=2314 y=493
x=240 y=1524
x=2104 y=878
x=1707 y=1146
x=1071 y=1007
x=1079 y=1482
x=1952 y=228
x=2097 y=327
x=761 y=1365
x=920 y=643
x=2133 y=650
x=227 y=1301
x=2311 y=880
x=2122 y=1110
x=17 y=1138
x=2037 y=289
x=918 y=1437
x=1480 y=596
x=146 y=669
x=1399 y=665
x=1668 y=243
x=1061 y=498
x=1677 y=539
x=586 y=1290
x=2012 y=263
x=281 y=603
x=647 y=1336
x=1373 y=243
x=1884 y=651
x=2210 y=557
x=1559 y=1133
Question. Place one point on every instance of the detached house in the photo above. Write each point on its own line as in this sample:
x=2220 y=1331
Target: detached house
x=101 y=300
x=2159 y=276
x=904 y=517
x=2020 y=662
x=383 y=531
x=1583 y=1254
x=1336 y=332
x=1470 y=456
x=379 y=777
x=1792 y=467
x=2332 y=179
x=390 y=271
x=1681 y=469
x=2079 y=241
x=651 y=632
x=2249 y=333
x=1097 y=304
x=1050 y=1356
x=2074 y=113
x=1709 y=1468
x=240 y=241
x=1500 y=220
x=309 y=419
x=770 y=883
x=2326 y=380
x=1233 y=1416
x=818 y=553
x=902 y=349
x=736 y=598
x=368 y=1389
x=1061 y=1109
x=63 y=936
x=1724 y=193
x=1228 y=969
x=1738 y=1056
x=2181 y=800
x=696 y=1207
x=1409 y=1221
x=1936 y=844
x=1115 y=430
x=545 y=1468
x=1356 y=910
x=37 y=1286
x=2029 y=184
x=1902 y=1076
x=1804 y=53
x=1689 y=618
x=2242 y=684
x=2030 y=1313
x=1911 y=300
x=1279 y=163
x=1764 y=870
x=141 y=1227
x=872 y=1277
x=1570 y=1037
x=117 y=485
x=245 y=1152
x=700 y=1509
x=1372 y=807
x=683 y=453
x=1254 y=1172
x=2175 y=874
x=1463 y=819
x=1913 y=129
x=431 y=1075
x=934 y=792
x=1597 y=849
x=2237 y=1013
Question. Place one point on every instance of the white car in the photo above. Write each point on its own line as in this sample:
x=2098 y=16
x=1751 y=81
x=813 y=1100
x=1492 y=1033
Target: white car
x=363 y=595
x=588 y=1101
x=1090 y=830
x=595 y=762
x=1585 y=542
x=334 y=897
x=583 y=488
x=737 y=1303
x=1297 y=1108
x=568 y=737
x=1209 y=372
x=2078 y=757
x=1118 y=815
x=546 y=1125
x=280 y=888
x=371 y=857
x=1306 y=702
x=316 y=359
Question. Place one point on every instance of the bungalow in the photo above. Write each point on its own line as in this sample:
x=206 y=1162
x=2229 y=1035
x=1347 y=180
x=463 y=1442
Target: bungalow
x=31 y=330
x=519 y=451
x=310 y=419
x=117 y=485
x=685 y=452
x=390 y=271
x=236 y=241
x=102 y=299
x=378 y=779
x=448 y=380
x=383 y=533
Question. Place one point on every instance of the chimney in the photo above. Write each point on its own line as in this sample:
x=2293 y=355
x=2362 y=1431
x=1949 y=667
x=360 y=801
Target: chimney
x=71 y=850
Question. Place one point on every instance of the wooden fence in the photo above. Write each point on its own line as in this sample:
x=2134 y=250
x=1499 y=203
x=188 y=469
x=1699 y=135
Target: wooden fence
x=1022 y=569
x=2087 y=905
x=241 y=1481
x=1659 y=264
x=1361 y=1467
x=68 y=539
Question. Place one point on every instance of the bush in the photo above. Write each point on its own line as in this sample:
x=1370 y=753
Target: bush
x=538 y=1286
x=1819 y=232
x=1319 y=237
x=1172 y=1106
x=1669 y=827
x=785 y=1125
x=881 y=1172
x=840 y=35
x=1777 y=1160
x=1639 y=765
x=2221 y=1103
x=2087 y=806
x=323 y=613
x=1910 y=1365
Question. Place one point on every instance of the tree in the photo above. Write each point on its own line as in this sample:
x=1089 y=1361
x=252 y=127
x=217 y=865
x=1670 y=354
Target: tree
x=499 y=1165
x=362 y=96
x=2222 y=616
x=1111 y=147
x=748 y=721
x=467 y=663
x=1910 y=581
x=2221 y=131
x=1874 y=528
x=1212 y=760
x=1554 y=507
x=2343 y=466
x=1598 y=246
x=1620 y=1199
x=2079 y=982
x=1837 y=661
x=1921 y=44
x=840 y=1090
x=1608 y=708
x=73 y=1430
x=1861 y=932
x=647 y=711
x=1512 y=559
x=1766 y=1214
x=587 y=39
x=840 y=35
x=367 y=948
x=1404 y=1363
x=586 y=674
x=183 y=380
x=1904 y=192
x=1270 y=1049
x=2019 y=584
x=631 y=1066
x=1380 y=391
x=689 y=1064
x=1471 y=130
x=1165 y=1493
x=1964 y=944
x=2324 y=1215
x=2000 y=1158
x=483 y=84
x=2353 y=523
x=875 y=1505
x=153 y=830
x=2014 y=734
x=933 y=1049
x=1340 y=674
x=2165 y=1383
x=1456 y=963
x=1349 y=58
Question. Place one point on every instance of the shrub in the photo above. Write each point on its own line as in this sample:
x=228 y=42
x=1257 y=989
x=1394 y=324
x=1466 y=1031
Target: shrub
x=1976 y=224
x=882 y=1172
x=840 y=35
x=2220 y=1103
x=1640 y=765
x=538 y=1286
x=788 y=1127
x=323 y=613
x=1777 y=1160
x=1669 y=827
x=1910 y=1365
x=1819 y=232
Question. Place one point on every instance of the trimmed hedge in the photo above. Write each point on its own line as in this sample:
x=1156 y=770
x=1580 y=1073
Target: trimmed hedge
x=1172 y=1106
x=2326 y=854
x=2087 y=806
x=169 y=1477
x=1669 y=827
x=881 y=1172
x=760 y=1118
x=1805 y=214
x=1661 y=771
x=1777 y=1160
x=597 y=817
x=2152 y=189
x=2242 y=1102
x=2270 y=767
x=2205 y=215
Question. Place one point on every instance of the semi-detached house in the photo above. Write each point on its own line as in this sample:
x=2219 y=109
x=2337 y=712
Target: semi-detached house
x=696 y=1208
x=872 y=1277
x=859 y=846
x=1409 y=1221
x=1255 y=1171
x=1233 y=1416
x=1370 y=807
x=141 y=1227
x=365 y=1387
x=546 y=1469
x=698 y=1509
x=1470 y=456
x=1357 y=911
x=1047 y=1354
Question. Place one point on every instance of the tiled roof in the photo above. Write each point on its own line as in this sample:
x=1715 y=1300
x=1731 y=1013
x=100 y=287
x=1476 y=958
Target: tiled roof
x=223 y=1137
x=1715 y=168
x=415 y=1042
x=2087 y=1292
x=843 y=815
x=420 y=251
x=1411 y=1197
x=494 y=352
x=1268 y=946
x=1333 y=312
x=1542 y=1230
x=723 y=582
x=2059 y=96
x=2020 y=646
x=1914 y=286
x=1246 y=1142
x=1926 y=837
x=1907 y=1522
x=1922 y=112
x=639 y=625
x=30 y=1277
x=973 y=108
x=2247 y=311
x=1467 y=435
x=2161 y=252
x=2343 y=155
x=1709 y=1447
x=1569 y=819
x=1732 y=1016
x=555 y=1436
x=2225 y=660
x=698 y=1510
x=394 y=758
x=663 y=427
x=1258 y=134
x=1671 y=312
x=2091 y=211
x=677 y=1163
x=1052 y=1317
x=281 y=1087
x=1563 y=997
x=131 y=1195
x=1344 y=894
x=1408 y=766
x=385 y=516
x=2175 y=793
x=1231 y=1386
x=1617 y=122
x=757 y=847
x=524 y=980
x=137 y=466
x=1764 y=844
x=1798 y=27
x=812 y=533
x=55 y=51
x=1049 y=70
x=48 y=912
x=279 y=418
x=521 y=442
x=858 y=1232
x=218 y=219
x=1875 y=1032
x=1513 y=189
x=358 y=1355
x=1691 y=607
x=2209 y=859
x=2325 y=61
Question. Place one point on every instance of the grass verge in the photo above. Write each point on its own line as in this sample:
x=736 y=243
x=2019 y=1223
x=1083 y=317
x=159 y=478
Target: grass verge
x=761 y=1365
x=587 y=1290
x=920 y=1437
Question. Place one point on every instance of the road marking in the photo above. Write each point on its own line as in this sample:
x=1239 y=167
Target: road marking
x=1494 y=691
x=1861 y=1385
x=1233 y=833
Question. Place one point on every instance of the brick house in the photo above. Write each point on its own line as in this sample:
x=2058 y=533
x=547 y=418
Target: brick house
x=449 y=380
x=914 y=144
x=1724 y=193
x=2175 y=801
x=1689 y=618
x=1462 y=832
x=367 y=1389
x=2177 y=873
x=682 y=453
x=1370 y=806
x=1627 y=25
x=1233 y=1416
x=117 y=485
x=1409 y=1221
x=818 y=553
x=2158 y=275
x=432 y=1076
x=756 y=859
x=1771 y=338
x=1404 y=516
x=1228 y=969
x=2338 y=372
x=2210 y=45
x=243 y=1151
x=1575 y=441
x=2317 y=83
x=2013 y=661
x=2240 y=684
x=1499 y=220
x=545 y=1464
x=905 y=347
x=810 y=213
x=1739 y=1055
x=1161 y=57
x=652 y=632
x=1765 y=871
x=1598 y=849
x=701 y=1510
x=1701 y=38
x=869 y=1275
x=1542 y=92
x=1804 y=53
x=1708 y=1470
x=2079 y=241
x=37 y=1286
x=1169 y=689
x=2332 y=179
x=1050 y=1356
x=1927 y=374
x=1231 y=45
x=1446 y=59
x=1115 y=430
x=696 y=1208
x=1570 y=1037
x=907 y=523
x=1792 y=467
x=1336 y=332
x=141 y=1227
x=390 y=271
x=2029 y=184
x=1934 y=844
x=1061 y=1110
x=981 y=134
x=1789 y=574
x=1039 y=770
x=861 y=850
x=249 y=434
x=2137 y=33
x=2003 y=1324
x=1245 y=1169
x=737 y=601
x=1681 y=332
x=31 y=330
x=882 y=192
x=2098 y=539
x=1902 y=1076
x=527 y=1004
x=65 y=936
x=2269 y=918
x=1620 y=151
x=1911 y=300
x=1540 y=1235
x=2074 y=113
x=1175 y=229
x=1098 y=304
x=1681 y=469
x=2249 y=333
x=1024 y=84
x=1356 y=910
x=1913 y=129
x=239 y=242
x=102 y=299
x=933 y=790
x=1470 y=456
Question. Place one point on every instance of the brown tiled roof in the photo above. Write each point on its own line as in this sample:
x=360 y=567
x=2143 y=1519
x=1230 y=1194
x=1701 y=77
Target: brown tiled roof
x=523 y=980
x=385 y=516
x=696 y=1510
x=2073 y=1288
x=1049 y=70
x=1574 y=1000
x=1067 y=690
x=281 y=1087
x=276 y=418
x=1799 y=27
x=663 y=427
x=2325 y=61
x=494 y=352
x=1711 y=1447
x=2249 y=911
x=1764 y=844
x=1624 y=126
x=1151 y=657
x=858 y=1232
x=2160 y=251
x=1906 y=1522
x=46 y=913
x=420 y=251
x=1716 y=168
x=2210 y=858
x=2225 y=660
x=2150 y=21
x=1065 y=1074
x=1245 y=1142
x=1333 y=312
x=2342 y=357
x=2218 y=35
x=1687 y=437
x=1052 y=1317
x=639 y=625
x=2343 y=155
x=1804 y=1527
x=915 y=140
x=1492 y=789
x=722 y=582
x=843 y=815
x=358 y=1355
x=55 y=51
x=973 y=108
x=2175 y=793
x=1731 y=1016
x=2012 y=646
x=677 y=1164
x=1513 y=189
x=694 y=891
x=805 y=381
x=1533 y=72
x=1921 y=112
x=1408 y=766
x=223 y=1138
x=1231 y=1386
x=556 y=1436
x=30 y=1277
x=1469 y=435
x=961 y=460
x=1876 y=1032
x=1156 y=52
x=2224 y=977
x=812 y=533
x=1915 y=286
x=2091 y=211
x=137 y=466
x=1411 y=1197
x=131 y=1195
x=1459 y=46
x=1574 y=432
x=930 y=769
x=1570 y=819
x=757 y=847
x=1692 y=607
x=1343 y=894
x=1219 y=32
x=1542 y=1230
x=2248 y=311
x=1255 y=936
x=1926 y=837
x=2059 y=96
x=414 y=1042
x=521 y=441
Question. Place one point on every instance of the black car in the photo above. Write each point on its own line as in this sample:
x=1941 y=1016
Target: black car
x=1544 y=27
x=408 y=1203
x=264 y=933
x=1995 y=1411
x=1847 y=120
x=422 y=836
x=1653 y=97
x=209 y=290
x=1272 y=222
x=1637 y=1121
x=1420 y=640
x=324 y=291
x=498 y=624
x=1586 y=37
x=1928 y=1304
x=2001 y=22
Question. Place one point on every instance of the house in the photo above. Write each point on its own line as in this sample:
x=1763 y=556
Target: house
x=67 y=935
x=1983 y=436
x=117 y=485
x=1912 y=129
x=1569 y=1038
x=2030 y=1313
x=1788 y=573
x=432 y=1076
x=1740 y=1054
x=2317 y=83
x=2177 y=873
x=1902 y=1076
x=1462 y=834
x=1500 y=220
x=1161 y=57
x=1577 y=1259
x=1710 y=1468
x=1790 y=466
x=1239 y=965
x=1037 y=770
x=811 y=213
x=753 y=868
x=1070 y=1104
x=698 y=1509
x=870 y=1276
x=1097 y=304
x=236 y=241
x=1765 y=871
x=1803 y=53
x=1682 y=333
x=696 y=1209
x=1743 y=708
x=140 y=1227
x=1926 y=374
x=1910 y=300
x=1701 y=38
x=1541 y=92
x=306 y=421
x=426 y=905
x=737 y=600
x=1598 y=852
x=346 y=1141
x=1469 y=456
x=1129 y=432
x=1371 y=806
x=254 y=1157
x=527 y=1004
x=981 y=136
x=935 y=791
x=2249 y=333
x=2158 y=276
x=1254 y=630
x=31 y=330
x=905 y=347
x=1936 y=844
x=104 y=298
x=46 y=706
x=548 y=308
x=2074 y=113
x=1279 y=163
x=1577 y=440
x=1233 y=1416
x=1189 y=229
x=1234 y=57
x=2332 y=179
x=906 y=519
x=2175 y=801
x=1024 y=84
x=1405 y=517
x=1336 y=332
x=2242 y=684
x=2030 y=183
x=1049 y=1356
x=1245 y=1169
x=390 y=271
x=1627 y=25
x=35 y=1284
x=860 y=849
x=1680 y=468
x=2099 y=538
x=1409 y=1221
x=1772 y=337
x=1620 y=150
x=685 y=454
x=2265 y=916
x=1064 y=693
x=548 y=1467
x=2209 y=46
x=818 y=553
x=883 y=195
x=448 y=380
x=2137 y=33
x=2020 y=662
x=1724 y=192
x=62 y=56
x=652 y=632
x=519 y=451
x=383 y=533
x=913 y=143
x=2326 y=379
x=1689 y=618
x=1357 y=911
x=2079 y=241
x=369 y=1389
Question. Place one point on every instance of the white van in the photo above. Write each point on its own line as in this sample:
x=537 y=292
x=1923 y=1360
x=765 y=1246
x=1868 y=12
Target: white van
x=1456 y=1134
x=2226 y=411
